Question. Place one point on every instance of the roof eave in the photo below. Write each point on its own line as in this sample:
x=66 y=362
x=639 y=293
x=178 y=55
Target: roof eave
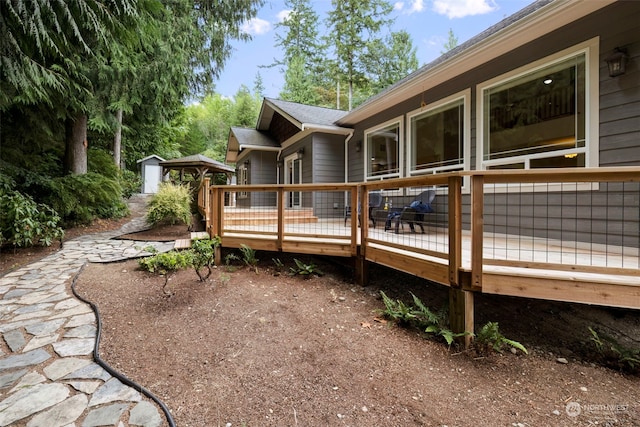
x=548 y=18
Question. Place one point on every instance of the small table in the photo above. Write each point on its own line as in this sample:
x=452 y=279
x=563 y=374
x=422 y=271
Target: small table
x=383 y=215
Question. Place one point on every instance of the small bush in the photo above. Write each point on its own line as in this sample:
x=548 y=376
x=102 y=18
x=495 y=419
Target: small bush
x=130 y=182
x=203 y=255
x=167 y=263
x=25 y=223
x=170 y=205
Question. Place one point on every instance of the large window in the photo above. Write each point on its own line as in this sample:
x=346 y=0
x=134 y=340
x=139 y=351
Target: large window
x=383 y=151
x=537 y=119
x=437 y=138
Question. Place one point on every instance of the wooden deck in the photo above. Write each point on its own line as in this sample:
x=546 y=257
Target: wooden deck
x=471 y=258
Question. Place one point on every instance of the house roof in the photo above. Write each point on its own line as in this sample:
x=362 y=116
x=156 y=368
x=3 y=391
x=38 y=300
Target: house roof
x=197 y=163
x=245 y=138
x=301 y=115
x=153 y=156
x=306 y=118
x=526 y=25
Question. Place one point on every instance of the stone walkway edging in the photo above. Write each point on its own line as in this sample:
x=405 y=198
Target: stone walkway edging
x=50 y=374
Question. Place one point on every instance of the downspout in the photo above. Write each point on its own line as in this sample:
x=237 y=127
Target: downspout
x=278 y=166
x=346 y=156
x=346 y=164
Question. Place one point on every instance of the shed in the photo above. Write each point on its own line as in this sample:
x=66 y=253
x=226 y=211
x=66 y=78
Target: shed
x=151 y=173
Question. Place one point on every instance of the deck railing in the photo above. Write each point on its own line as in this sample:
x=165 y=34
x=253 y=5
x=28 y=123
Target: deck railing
x=565 y=234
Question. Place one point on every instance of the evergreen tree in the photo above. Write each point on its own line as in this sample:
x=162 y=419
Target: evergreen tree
x=246 y=109
x=390 y=60
x=82 y=63
x=451 y=43
x=354 y=26
x=303 y=53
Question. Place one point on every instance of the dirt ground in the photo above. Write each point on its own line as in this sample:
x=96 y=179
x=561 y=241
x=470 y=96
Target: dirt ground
x=269 y=349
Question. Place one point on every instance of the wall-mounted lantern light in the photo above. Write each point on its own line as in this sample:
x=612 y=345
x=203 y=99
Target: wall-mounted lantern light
x=617 y=62
x=358 y=146
x=300 y=153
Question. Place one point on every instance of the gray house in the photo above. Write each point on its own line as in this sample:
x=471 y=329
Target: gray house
x=292 y=144
x=556 y=85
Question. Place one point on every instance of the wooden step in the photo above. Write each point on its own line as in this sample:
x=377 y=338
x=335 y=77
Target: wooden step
x=248 y=217
x=186 y=243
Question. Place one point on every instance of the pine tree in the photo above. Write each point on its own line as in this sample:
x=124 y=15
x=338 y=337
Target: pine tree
x=354 y=25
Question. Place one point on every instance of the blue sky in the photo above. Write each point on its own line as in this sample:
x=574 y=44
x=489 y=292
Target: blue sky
x=428 y=22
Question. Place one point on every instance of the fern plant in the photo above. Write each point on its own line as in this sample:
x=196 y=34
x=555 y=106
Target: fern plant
x=420 y=316
x=615 y=353
x=489 y=338
x=249 y=257
x=305 y=270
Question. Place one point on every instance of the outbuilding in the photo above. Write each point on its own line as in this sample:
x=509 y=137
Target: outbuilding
x=151 y=173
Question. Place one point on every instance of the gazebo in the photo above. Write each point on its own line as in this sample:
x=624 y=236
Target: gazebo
x=197 y=165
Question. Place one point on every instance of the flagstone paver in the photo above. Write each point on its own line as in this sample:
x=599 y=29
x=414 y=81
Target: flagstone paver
x=47 y=375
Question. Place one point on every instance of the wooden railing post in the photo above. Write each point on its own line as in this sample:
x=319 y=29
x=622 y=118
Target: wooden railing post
x=455 y=230
x=461 y=305
x=477 y=230
x=360 y=215
x=281 y=203
x=217 y=212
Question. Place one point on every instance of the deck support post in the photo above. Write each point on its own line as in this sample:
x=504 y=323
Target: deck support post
x=361 y=268
x=461 y=314
x=216 y=203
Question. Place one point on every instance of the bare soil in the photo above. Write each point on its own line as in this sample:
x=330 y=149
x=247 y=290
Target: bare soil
x=271 y=349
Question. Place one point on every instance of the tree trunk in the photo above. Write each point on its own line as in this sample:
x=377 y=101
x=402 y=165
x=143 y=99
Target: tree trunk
x=76 y=145
x=117 y=139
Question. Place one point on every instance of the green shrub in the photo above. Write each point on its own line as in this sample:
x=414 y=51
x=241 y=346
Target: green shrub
x=167 y=263
x=171 y=205
x=203 y=255
x=24 y=223
x=101 y=162
x=130 y=182
x=81 y=198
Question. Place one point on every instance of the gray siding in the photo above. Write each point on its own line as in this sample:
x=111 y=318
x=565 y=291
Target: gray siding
x=262 y=170
x=328 y=167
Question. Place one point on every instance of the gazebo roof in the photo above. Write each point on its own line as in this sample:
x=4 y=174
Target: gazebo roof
x=197 y=163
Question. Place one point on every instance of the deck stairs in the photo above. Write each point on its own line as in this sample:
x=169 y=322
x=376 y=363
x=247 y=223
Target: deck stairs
x=237 y=217
x=186 y=243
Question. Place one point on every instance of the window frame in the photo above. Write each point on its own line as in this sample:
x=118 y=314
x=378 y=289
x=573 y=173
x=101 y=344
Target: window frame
x=465 y=97
x=590 y=49
x=399 y=120
x=243 y=179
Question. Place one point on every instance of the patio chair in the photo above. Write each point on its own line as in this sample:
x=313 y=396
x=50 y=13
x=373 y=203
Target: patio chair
x=375 y=201
x=414 y=213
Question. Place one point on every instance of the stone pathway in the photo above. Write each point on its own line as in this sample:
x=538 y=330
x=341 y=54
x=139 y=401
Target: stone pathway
x=48 y=376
